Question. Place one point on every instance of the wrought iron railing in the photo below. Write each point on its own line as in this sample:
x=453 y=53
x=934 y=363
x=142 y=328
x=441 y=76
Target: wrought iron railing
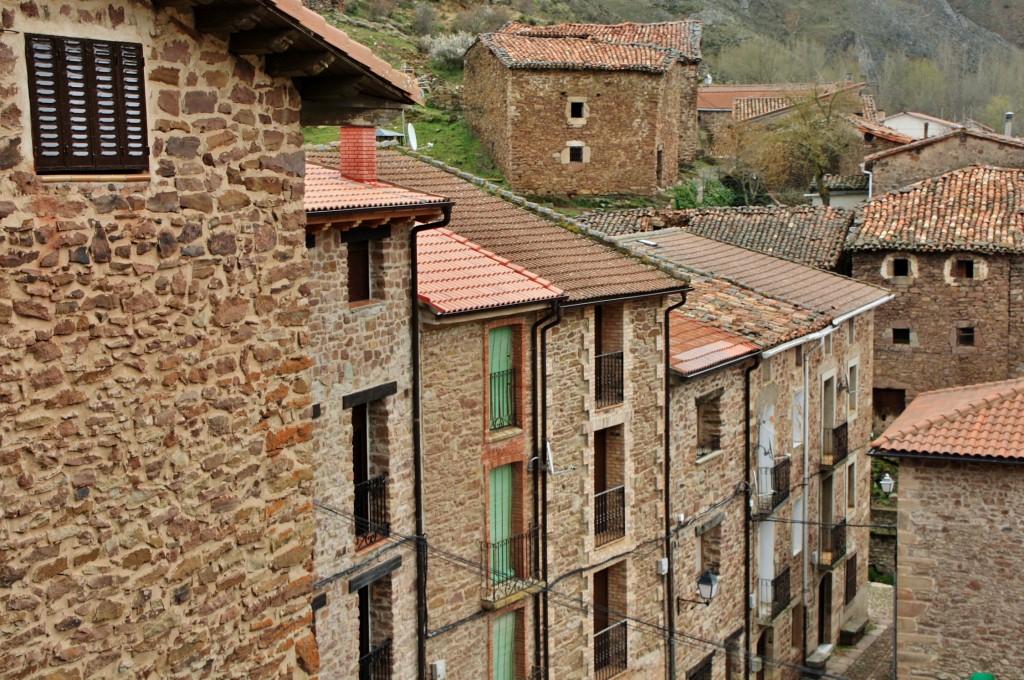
x=708 y=445
x=377 y=664
x=773 y=484
x=503 y=399
x=833 y=544
x=610 y=515
x=610 y=651
x=372 y=511
x=510 y=565
x=773 y=595
x=609 y=379
x=835 y=445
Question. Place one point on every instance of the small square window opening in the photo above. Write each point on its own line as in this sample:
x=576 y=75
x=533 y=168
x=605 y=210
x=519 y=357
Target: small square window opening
x=901 y=336
x=901 y=267
x=576 y=109
x=964 y=269
x=575 y=154
x=965 y=337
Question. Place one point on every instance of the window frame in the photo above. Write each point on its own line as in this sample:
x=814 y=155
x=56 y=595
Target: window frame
x=852 y=389
x=575 y=153
x=905 y=263
x=701 y=404
x=902 y=342
x=87 y=105
x=359 y=278
x=966 y=336
x=963 y=269
x=510 y=415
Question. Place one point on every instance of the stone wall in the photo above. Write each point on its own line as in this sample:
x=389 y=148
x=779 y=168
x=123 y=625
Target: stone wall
x=373 y=349
x=933 y=304
x=630 y=115
x=901 y=169
x=689 y=136
x=959 y=569
x=154 y=385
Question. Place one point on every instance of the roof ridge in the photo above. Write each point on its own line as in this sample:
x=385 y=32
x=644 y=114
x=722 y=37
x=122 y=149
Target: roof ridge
x=959 y=412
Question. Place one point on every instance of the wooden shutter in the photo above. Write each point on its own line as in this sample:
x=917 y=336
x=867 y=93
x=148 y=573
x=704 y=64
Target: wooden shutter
x=504 y=647
x=501 y=523
x=501 y=379
x=88 y=105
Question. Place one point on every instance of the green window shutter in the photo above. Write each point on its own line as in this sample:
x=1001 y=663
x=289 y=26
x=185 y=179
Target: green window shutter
x=504 y=646
x=502 y=396
x=501 y=524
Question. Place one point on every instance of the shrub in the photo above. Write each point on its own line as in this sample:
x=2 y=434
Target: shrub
x=715 y=194
x=447 y=51
x=482 y=19
x=424 y=16
x=379 y=9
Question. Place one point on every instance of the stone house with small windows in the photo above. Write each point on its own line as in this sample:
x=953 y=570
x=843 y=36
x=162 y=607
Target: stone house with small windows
x=950 y=248
x=155 y=383
x=770 y=366
x=559 y=107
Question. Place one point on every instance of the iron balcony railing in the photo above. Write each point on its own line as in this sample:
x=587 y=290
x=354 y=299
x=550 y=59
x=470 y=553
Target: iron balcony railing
x=510 y=565
x=610 y=514
x=773 y=484
x=708 y=445
x=503 y=399
x=377 y=664
x=610 y=651
x=833 y=544
x=835 y=445
x=773 y=595
x=609 y=379
x=372 y=511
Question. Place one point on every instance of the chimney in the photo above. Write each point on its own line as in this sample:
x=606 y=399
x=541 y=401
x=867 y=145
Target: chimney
x=1008 y=128
x=925 y=130
x=359 y=153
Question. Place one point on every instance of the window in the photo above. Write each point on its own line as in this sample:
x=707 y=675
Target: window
x=798 y=418
x=370 y=476
x=851 y=330
x=611 y=651
x=851 y=578
x=851 y=486
x=702 y=671
x=798 y=355
x=609 y=485
x=576 y=110
x=709 y=556
x=798 y=527
x=901 y=336
x=796 y=637
x=503 y=647
x=709 y=424
x=900 y=266
x=502 y=508
x=358 y=259
x=88 y=105
x=852 y=388
x=963 y=269
x=375 y=629
x=575 y=154
x=965 y=337
x=827 y=344
x=502 y=377
x=608 y=363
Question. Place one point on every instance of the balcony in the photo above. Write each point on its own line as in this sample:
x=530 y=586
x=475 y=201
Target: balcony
x=609 y=515
x=833 y=545
x=772 y=485
x=609 y=379
x=372 y=511
x=610 y=651
x=503 y=399
x=377 y=664
x=510 y=569
x=835 y=445
x=773 y=596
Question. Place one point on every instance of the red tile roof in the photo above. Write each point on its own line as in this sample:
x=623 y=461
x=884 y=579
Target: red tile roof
x=721 y=97
x=983 y=421
x=823 y=292
x=456 y=275
x=974 y=209
x=954 y=134
x=697 y=346
x=878 y=130
x=580 y=266
x=745 y=108
x=810 y=235
x=682 y=36
x=327 y=190
x=575 y=54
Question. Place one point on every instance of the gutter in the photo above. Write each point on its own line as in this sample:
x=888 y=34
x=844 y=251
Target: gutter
x=806 y=493
x=669 y=576
x=629 y=296
x=803 y=339
x=417 y=445
x=871 y=179
x=883 y=453
x=860 y=310
x=747 y=511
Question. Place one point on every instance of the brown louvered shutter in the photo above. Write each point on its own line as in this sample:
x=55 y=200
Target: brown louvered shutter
x=88 y=105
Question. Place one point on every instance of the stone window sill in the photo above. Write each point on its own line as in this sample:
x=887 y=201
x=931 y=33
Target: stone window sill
x=365 y=304
x=503 y=434
x=94 y=179
x=713 y=456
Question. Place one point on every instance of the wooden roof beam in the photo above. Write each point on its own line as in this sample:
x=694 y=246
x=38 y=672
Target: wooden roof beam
x=263 y=41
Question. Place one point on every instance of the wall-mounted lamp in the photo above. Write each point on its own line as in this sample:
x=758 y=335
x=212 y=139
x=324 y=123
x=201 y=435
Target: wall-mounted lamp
x=887 y=483
x=707 y=589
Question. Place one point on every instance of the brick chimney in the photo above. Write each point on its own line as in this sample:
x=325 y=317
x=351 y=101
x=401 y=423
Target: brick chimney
x=359 y=153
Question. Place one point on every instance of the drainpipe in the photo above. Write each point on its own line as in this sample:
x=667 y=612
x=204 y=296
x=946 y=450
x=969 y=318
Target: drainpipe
x=538 y=461
x=806 y=484
x=417 y=446
x=871 y=179
x=670 y=581
x=541 y=447
x=748 y=520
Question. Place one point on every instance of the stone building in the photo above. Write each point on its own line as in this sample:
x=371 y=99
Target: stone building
x=560 y=107
x=155 y=384
x=959 y=579
x=950 y=249
x=898 y=167
x=770 y=391
x=919 y=125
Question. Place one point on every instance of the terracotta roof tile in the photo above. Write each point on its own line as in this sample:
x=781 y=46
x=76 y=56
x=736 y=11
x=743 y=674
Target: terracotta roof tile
x=721 y=97
x=984 y=421
x=961 y=133
x=456 y=275
x=745 y=108
x=810 y=235
x=857 y=181
x=875 y=128
x=580 y=266
x=327 y=190
x=814 y=289
x=682 y=36
x=976 y=209
x=869 y=110
x=525 y=52
x=697 y=346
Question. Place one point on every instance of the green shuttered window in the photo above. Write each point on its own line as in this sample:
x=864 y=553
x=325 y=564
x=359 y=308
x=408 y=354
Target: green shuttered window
x=504 y=646
x=502 y=378
x=501 y=524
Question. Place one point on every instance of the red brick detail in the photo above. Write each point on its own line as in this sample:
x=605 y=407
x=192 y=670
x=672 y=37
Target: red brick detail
x=359 y=153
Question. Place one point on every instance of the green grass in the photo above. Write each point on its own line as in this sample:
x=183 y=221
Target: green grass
x=453 y=142
x=876 y=577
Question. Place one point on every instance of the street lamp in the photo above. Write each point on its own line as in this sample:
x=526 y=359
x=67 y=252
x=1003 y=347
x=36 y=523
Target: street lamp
x=707 y=589
x=888 y=485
